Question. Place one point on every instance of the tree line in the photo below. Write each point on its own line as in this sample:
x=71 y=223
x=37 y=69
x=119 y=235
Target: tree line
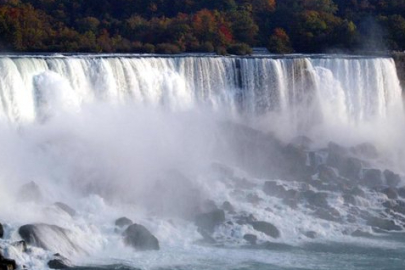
x=221 y=26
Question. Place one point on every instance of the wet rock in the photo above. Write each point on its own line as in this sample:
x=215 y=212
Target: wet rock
x=349 y=199
x=123 y=222
x=327 y=174
x=7 y=264
x=302 y=142
x=251 y=238
x=357 y=191
x=253 y=198
x=38 y=234
x=227 y=206
x=310 y=234
x=401 y=192
x=384 y=224
x=330 y=214
x=318 y=199
x=20 y=246
x=352 y=168
x=140 y=238
x=391 y=193
x=30 y=192
x=59 y=262
x=208 y=221
x=271 y=188
x=69 y=210
x=372 y=178
x=208 y=206
x=365 y=150
x=359 y=233
x=1 y=230
x=245 y=219
x=266 y=228
x=392 y=179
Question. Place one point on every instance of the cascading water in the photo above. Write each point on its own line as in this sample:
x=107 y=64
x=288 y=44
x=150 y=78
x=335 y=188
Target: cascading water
x=166 y=141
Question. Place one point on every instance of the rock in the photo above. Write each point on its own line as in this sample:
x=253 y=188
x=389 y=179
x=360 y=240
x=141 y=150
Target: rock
x=208 y=221
x=49 y=237
x=266 y=228
x=384 y=224
x=30 y=192
x=20 y=246
x=310 y=234
x=327 y=174
x=251 y=238
x=359 y=233
x=253 y=198
x=140 y=238
x=59 y=262
x=302 y=142
x=123 y=222
x=318 y=199
x=365 y=150
x=349 y=199
x=245 y=219
x=352 y=168
x=1 y=230
x=208 y=206
x=66 y=208
x=357 y=191
x=330 y=214
x=7 y=264
x=372 y=178
x=401 y=192
x=273 y=189
x=392 y=179
x=391 y=193
x=227 y=206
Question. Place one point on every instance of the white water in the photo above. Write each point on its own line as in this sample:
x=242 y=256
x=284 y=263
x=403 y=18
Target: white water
x=101 y=134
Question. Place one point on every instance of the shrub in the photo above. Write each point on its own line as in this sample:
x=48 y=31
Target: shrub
x=167 y=48
x=239 y=49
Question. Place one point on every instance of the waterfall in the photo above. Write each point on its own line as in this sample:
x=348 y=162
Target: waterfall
x=300 y=90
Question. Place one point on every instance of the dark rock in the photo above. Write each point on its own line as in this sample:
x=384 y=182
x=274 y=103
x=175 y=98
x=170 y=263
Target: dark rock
x=310 y=234
x=20 y=246
x=273 y=189
x=349 y=199
x=208 y=221
x=372 y=178
x=66 y=208
x=251 y=238
x=359 y=233
x=34 y=234
x=245 y=219
x=365 y=150
x=327 y=174
x=30 y=192
x=302 y=142
x=318 y=199
x=1 y=231
x=401 y=192
x=391 y=193
x=140 y=238
x=352 y=168
x=330 y=214
x=357 y=191
x=123 y=222
x=384 y=224
x=59 y=262
x=253 y=198
x=7 y=264
x=266 y=228
x=392 y=179
x=227 y=206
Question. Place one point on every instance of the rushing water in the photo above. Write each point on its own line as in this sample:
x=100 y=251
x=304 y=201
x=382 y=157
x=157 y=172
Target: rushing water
x=116 y=135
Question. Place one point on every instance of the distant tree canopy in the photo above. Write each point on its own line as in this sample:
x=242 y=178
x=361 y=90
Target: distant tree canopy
x=222 y=26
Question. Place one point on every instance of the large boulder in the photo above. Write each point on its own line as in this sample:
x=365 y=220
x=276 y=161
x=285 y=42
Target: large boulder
x=7 y=264
x=123 y=222
x=140 y=238
x=49 y=237
x=208 y=221
x=1 y=231
x=391 y=193
x=273 y=189
x=365 y=150
x=384 y=224
x=59 y=262
x=266 y=228
x=317 y=199
x=372 y=178
x=392 y=179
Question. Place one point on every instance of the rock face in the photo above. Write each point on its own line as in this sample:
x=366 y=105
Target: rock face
x=208 y=221
x=49 y=237
x=7 y=264
x=140 y=238
x=1 y=231
x=266 y=228
x=123 y=222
